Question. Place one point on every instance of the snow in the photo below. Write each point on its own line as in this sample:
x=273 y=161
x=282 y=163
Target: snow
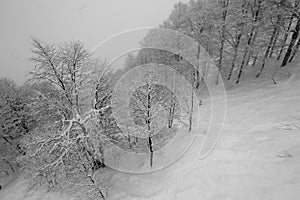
x=257 y=157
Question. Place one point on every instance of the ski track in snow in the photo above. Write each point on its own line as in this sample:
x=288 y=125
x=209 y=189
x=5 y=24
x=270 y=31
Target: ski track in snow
x=256 y=158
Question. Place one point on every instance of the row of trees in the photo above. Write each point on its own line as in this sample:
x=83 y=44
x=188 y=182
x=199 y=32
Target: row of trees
x=240 y=35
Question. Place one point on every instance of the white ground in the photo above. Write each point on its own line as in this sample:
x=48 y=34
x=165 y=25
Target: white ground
x=257 y=157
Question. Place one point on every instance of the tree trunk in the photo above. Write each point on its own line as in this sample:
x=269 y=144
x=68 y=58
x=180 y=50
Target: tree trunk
x=244 y=61
x=197 y=78
x=241 y=68
x=253 y=33
x=267 y=52
x=232 y=64
x=191 y=111
x=274 y=43
x=151 y=150
x=148 y=122
x=172 y=107
x=295 y=50
x=291 y=45
x=250 y=46
x=170 y=118
x=285 y=38
x=97 y=188
x=171 y=114
x=222 y=35
x=90 y=173
x=195 y=85
x=237 y=43
x=250 y=43
x=279 y=23
x=234 y=56
x=254 y=61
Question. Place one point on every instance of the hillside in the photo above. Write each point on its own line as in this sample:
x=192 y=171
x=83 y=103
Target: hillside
x=257 y=157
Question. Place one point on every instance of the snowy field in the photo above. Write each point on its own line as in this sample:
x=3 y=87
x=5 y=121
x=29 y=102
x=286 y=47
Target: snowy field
x=257 y=157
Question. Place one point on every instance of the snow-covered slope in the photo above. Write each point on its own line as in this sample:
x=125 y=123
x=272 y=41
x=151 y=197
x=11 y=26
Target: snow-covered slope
x=257 y=157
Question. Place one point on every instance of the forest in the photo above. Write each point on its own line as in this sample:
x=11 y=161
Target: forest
x=56 y=127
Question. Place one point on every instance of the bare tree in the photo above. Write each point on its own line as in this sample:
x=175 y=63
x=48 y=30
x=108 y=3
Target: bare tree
x=153 y=108
x=63 y=150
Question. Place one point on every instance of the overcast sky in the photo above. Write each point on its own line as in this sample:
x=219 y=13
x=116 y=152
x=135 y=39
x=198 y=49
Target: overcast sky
x=55 y=21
